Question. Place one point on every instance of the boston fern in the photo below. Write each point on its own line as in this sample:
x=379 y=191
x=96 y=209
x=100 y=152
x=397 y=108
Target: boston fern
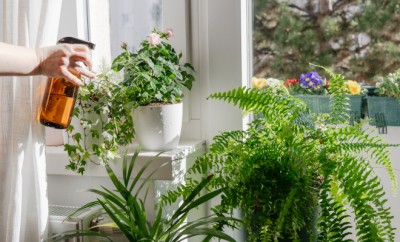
x=297 y=178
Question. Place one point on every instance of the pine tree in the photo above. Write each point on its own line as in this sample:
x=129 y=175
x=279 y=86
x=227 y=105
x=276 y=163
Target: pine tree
x=357 y=38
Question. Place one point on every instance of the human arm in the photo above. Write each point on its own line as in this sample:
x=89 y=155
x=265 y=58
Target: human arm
x=52 y=61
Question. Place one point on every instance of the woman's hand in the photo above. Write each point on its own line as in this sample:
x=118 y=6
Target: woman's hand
x=65 y=60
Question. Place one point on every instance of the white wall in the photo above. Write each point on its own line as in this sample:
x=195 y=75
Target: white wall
x=216 y=56
x=132 y=20
x=392 y=137
x=208 y=39
x=73 y=20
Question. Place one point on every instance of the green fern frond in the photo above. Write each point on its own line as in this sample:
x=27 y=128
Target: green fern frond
x=338 y=101
x=366 y=196
x=333 y=224
x=351 y=139
x=282 y=165
x=221 y=142
x=272 y=106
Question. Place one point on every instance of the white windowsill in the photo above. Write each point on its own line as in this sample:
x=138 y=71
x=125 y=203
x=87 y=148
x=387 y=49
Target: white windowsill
x=57 y=159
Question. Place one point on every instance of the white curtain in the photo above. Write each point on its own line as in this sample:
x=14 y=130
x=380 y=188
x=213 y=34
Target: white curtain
x=23 y=186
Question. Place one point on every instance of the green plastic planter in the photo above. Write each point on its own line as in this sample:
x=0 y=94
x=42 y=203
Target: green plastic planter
x=320 y=103
x=388 y=107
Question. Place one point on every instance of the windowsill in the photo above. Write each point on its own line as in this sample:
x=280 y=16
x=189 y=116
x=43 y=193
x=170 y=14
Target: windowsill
x=57 y=159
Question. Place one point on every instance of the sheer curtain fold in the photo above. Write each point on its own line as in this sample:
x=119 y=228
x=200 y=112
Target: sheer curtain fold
x=23 y=199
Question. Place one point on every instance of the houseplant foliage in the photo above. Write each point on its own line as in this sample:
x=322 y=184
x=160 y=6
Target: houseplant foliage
x=272 y=84
x=313 y=88
x=104 y=113
x=389 y=85
x=127 y=210
x=310 y=83
x=154 y=79
x=384 y=108
x=286 y=165
x=358 y=38
x=154 y=74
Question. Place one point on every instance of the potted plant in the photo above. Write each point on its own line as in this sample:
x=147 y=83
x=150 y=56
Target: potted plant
x=154 y=80
x=102 y=122
x=127 y=210
x=314 y=90
x=295 y=177
x=384 y=109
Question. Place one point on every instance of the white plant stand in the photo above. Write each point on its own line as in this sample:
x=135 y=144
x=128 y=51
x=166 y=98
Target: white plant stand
x=68 y=188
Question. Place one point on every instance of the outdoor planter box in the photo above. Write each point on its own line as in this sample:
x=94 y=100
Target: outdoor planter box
x=320 y=104
x=383 y=111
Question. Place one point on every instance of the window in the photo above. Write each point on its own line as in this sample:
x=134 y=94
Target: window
x=132 y=20
x=356 y=39
x=216 y=44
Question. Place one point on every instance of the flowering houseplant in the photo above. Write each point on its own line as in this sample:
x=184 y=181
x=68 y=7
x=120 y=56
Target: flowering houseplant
x=154 y=80
x=384 y=110
x=273 y=84
x=316 y=92
x=310 y=83
x=154 y=74
x=389 y=86
x=352 y=88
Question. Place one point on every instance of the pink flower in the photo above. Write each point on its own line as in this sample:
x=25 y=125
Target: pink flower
x=169 y=32
x=154 y=39
x=124 y=45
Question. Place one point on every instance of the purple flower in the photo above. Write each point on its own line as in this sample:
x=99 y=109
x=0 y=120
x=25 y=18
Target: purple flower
x=311 y=80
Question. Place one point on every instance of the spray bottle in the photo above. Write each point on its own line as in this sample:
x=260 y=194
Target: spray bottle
x=60 y=95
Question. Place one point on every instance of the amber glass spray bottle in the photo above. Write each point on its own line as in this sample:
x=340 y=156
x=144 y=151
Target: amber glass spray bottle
x=59 y=97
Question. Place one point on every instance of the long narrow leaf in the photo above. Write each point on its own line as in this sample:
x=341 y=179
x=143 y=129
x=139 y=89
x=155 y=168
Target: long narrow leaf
x=117 y=212
x=157 y=224
x=148 y=178
x=202 y=200
x=127 y=173
x=84 y=207
x=118 y=185
x=196 y=191
x=112 y=197
x=141 y=171
x=121 y=226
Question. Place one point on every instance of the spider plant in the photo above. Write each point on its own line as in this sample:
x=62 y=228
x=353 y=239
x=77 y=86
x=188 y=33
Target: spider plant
x=127 y=211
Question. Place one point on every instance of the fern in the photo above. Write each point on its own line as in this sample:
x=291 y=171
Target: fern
x=272 y=106
x=334 y=221
x=339 y=102
x=286 y=165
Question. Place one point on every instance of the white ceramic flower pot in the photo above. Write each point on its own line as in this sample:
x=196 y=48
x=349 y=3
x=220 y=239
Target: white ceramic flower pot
x=89 y=141
x=54 y=137
x=158 y=128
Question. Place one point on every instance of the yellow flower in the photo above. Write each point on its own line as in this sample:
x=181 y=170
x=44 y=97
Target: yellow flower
x=259 y=83
x=352 y=87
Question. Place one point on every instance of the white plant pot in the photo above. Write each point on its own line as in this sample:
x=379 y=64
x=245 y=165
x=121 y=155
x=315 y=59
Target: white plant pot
x=89 y=141
x=158 y=128
x=54 y=137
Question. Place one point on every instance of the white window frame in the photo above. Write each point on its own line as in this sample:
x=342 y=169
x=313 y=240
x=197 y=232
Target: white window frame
x=221 y=53
x=218 y=45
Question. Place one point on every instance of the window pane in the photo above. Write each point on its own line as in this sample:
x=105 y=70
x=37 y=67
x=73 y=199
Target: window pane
x=359 y=39
x=132 y=20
